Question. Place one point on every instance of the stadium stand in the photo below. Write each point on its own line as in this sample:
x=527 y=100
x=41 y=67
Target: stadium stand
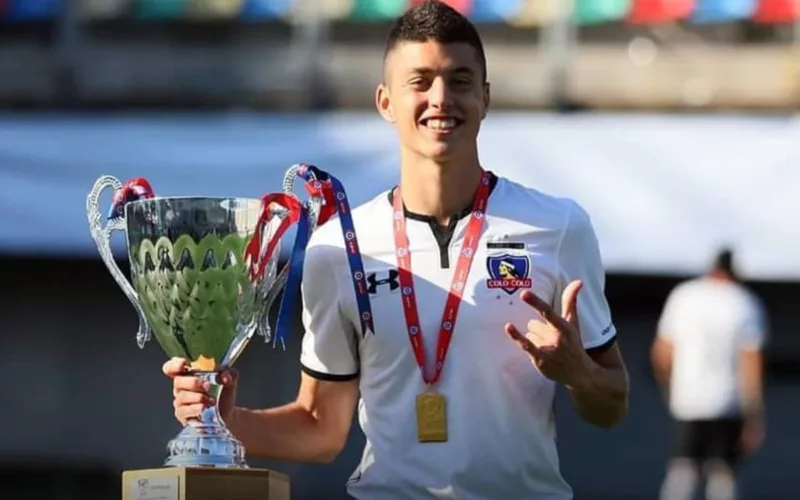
x=331 y=10
x=377 y=10
x=33 y=10
x=588 y=12
x=216 y=9
x=624 y=54
x=159 y=10
x=659 y=11
x=722 y=11
x=103 y=9
x=538 y=13
x=777 y=11
x=463 y=6
x=495 y=11
x=517 y=13
x=259 y=10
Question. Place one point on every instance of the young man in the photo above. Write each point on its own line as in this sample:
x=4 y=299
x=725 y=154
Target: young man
x=707 y=360
x=512 y=274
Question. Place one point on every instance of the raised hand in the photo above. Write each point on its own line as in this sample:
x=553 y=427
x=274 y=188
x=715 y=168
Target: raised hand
x=553 y=341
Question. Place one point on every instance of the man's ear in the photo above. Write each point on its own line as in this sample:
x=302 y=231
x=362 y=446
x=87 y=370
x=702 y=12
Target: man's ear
x=384 y=103
x=487 y=98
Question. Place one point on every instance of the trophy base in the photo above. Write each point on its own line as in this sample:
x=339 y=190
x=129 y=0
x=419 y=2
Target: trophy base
x=206 y=445
x=188 y=483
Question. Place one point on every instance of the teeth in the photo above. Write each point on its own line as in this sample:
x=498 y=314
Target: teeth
x=441 y=123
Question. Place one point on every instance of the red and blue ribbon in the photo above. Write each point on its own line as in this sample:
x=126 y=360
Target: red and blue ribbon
x=134 y=189
x=319 y=181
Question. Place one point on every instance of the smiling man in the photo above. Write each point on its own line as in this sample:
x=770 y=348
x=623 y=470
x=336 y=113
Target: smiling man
x=484 y=295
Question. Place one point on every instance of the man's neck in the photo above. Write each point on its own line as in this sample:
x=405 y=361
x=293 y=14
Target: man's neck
x=439 y=191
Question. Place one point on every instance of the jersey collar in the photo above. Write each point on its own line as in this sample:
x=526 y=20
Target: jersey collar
x=432 y=220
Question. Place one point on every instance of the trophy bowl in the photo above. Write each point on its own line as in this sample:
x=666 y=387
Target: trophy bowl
x=204 y=274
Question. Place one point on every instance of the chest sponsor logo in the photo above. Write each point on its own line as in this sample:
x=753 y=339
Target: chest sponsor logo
x=386 y=280
x=508 y=272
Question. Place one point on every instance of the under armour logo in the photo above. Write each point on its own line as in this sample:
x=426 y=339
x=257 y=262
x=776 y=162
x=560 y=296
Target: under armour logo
x=388 y=277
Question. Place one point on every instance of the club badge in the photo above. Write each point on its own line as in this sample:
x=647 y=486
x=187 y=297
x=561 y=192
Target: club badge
x=508 y=272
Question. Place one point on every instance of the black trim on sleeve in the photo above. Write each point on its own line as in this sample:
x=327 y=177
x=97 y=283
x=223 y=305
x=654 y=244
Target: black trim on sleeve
x=329 y=377
x=603 y=347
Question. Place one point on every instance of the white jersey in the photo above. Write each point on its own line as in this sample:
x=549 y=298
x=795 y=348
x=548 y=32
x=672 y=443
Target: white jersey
x=708 y=322
x=501 y=432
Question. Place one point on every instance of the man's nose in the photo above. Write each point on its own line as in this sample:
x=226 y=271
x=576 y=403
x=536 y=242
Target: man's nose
x=439 y=94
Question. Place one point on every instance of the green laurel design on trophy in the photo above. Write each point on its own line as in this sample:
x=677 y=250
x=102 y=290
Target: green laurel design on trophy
x=195 y=295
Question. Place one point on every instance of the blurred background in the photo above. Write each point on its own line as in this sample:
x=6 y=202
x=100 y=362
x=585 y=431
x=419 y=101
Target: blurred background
x=671 y=121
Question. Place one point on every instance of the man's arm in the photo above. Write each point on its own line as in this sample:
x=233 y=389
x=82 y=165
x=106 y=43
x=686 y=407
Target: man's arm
x=597 y=380
x=751 y=380
x=751 y=375
x=600 y=396
x=661 y=359
x=314 y=428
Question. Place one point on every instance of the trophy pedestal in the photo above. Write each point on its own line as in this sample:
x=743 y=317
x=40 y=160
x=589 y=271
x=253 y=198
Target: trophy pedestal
x=204 y=483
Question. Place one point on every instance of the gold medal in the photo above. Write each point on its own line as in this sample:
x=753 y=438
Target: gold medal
x=431 y=417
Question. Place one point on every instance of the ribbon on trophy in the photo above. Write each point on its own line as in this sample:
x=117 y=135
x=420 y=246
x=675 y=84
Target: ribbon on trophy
x=335 y=201
x=324 y=187
x=134 y=189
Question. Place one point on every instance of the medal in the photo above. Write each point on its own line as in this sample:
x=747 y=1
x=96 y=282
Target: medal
x=431 y=417
x=431 y=406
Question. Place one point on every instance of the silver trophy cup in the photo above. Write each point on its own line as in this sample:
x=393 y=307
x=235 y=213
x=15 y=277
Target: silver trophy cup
x=194 y=288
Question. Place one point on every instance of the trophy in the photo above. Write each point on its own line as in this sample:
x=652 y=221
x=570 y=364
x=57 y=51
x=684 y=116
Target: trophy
x=204 y=275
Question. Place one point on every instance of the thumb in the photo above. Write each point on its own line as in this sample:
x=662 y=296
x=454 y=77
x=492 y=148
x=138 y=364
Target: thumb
x=569 y=302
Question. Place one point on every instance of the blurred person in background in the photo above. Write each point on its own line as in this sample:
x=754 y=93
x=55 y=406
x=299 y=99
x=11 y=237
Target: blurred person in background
x=707 y=359
x=485 y=429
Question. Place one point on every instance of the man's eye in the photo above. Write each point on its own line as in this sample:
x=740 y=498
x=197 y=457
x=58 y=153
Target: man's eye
x=418 y=83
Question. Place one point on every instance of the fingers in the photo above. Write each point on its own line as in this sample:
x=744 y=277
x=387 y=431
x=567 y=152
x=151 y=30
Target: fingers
x=542 y=307
x=189 y=412
x=569 y=301
x=520 y=338
x=569 y=305
x=186 y=398
x=190 y=383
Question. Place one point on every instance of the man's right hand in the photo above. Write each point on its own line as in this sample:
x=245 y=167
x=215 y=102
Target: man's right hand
x=191 y=394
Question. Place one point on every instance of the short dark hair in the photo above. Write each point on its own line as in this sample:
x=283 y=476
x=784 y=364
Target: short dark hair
x=436 y=21
x=723 y=261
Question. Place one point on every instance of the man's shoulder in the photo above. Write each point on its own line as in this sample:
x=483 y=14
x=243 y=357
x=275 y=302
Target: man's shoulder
x=539 y=208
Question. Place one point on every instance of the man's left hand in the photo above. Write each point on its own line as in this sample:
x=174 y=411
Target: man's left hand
x=553 y=341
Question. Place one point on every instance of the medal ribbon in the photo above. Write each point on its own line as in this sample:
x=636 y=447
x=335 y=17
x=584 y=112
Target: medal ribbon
x=470 y=244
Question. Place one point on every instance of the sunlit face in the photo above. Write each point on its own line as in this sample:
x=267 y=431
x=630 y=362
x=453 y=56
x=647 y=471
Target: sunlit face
x=435 y=95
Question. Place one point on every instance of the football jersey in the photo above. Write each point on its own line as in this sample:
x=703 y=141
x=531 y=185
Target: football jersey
x=708 y=322
x=501 y=432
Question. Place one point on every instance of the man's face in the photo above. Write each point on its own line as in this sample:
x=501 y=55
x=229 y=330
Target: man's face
x=435 y=95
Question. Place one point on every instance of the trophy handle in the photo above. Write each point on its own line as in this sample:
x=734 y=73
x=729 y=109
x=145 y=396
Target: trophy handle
x=102 y=238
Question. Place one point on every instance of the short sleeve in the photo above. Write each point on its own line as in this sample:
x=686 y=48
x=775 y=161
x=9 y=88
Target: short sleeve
x=753 y=329
x=329 y=347
x=579 y=258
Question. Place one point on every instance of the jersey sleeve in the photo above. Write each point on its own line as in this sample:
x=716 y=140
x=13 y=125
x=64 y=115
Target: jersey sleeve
x=753 y=329
x=579 y=258
x=329 y=348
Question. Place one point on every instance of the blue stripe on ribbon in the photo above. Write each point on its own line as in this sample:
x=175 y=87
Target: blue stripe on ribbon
x=311 y=173
x=294 y=278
